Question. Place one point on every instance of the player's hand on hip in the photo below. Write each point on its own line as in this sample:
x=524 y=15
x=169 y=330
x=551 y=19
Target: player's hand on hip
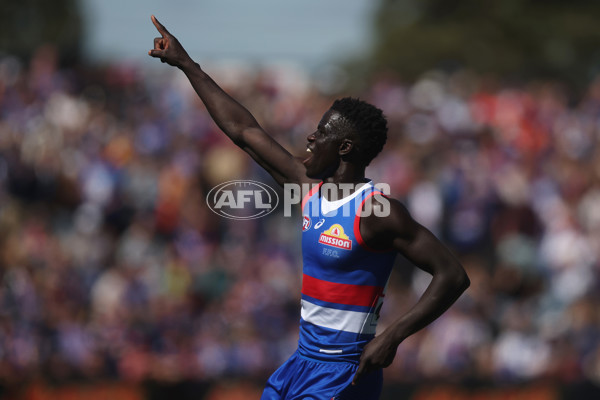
x=167 y=47
x=378 y=353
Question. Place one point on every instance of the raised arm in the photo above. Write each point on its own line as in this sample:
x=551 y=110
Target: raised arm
x=402 y=233
x=233 y=118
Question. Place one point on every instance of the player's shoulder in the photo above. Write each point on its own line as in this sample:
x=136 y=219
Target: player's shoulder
x=386 y=218
x=384 y=209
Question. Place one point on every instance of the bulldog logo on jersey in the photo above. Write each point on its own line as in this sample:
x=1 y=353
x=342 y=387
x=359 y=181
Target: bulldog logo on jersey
x=335 y=236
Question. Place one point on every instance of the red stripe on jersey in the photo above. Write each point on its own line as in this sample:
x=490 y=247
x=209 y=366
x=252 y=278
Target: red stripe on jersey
x=341 y=293
x=310 y=194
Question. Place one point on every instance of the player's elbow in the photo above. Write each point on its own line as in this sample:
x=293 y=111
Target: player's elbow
x=238 y=139
x=461 y=280
x=235 y=132
x=455 y=278
x=466 y=282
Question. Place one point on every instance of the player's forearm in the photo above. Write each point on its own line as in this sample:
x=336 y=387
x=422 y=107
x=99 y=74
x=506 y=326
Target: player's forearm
x=442 y=292
x=228 y=114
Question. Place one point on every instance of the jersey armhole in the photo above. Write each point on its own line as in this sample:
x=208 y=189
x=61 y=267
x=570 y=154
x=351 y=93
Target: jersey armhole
x=357 y=233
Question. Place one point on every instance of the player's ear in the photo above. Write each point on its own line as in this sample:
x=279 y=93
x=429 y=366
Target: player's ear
x=345 y=147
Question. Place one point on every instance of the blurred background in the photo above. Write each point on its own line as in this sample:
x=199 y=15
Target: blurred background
x=116 y=280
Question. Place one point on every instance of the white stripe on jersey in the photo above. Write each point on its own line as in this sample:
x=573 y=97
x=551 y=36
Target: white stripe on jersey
x=340 y=320
x=339 y=351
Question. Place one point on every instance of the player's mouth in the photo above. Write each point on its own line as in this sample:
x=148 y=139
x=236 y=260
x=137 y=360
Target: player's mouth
x=310 y=156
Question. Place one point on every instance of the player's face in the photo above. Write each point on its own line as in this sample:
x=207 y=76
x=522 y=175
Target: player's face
x=324 y=146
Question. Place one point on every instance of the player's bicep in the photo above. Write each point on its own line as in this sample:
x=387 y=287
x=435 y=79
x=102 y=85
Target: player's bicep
x=420 y=246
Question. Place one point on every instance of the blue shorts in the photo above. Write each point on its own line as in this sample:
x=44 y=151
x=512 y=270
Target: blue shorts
x=308 y=379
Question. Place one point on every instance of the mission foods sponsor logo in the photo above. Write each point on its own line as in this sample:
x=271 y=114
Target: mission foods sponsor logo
x=242 y=199
x=335 y=237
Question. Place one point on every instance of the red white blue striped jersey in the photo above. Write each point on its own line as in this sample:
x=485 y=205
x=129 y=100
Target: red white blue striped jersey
x=343 y=281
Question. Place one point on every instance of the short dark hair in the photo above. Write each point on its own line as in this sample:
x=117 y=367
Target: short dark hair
x=369 y=123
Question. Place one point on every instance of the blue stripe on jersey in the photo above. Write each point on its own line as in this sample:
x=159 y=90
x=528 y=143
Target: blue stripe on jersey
x=315 y=338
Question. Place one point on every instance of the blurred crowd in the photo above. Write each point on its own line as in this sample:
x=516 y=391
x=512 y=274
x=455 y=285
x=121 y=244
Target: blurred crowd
x=113 y=267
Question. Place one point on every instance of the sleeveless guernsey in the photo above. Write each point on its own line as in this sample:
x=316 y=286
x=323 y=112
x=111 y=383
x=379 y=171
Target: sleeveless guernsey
x=343 y=281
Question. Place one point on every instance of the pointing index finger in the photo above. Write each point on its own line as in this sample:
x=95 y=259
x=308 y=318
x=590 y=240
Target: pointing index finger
x=163 y=31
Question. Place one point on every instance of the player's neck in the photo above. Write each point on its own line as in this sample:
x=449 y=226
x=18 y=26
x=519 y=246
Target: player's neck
x=346 y=174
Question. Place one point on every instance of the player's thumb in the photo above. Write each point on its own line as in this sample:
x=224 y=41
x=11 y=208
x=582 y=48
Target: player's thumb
x=156 y=53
